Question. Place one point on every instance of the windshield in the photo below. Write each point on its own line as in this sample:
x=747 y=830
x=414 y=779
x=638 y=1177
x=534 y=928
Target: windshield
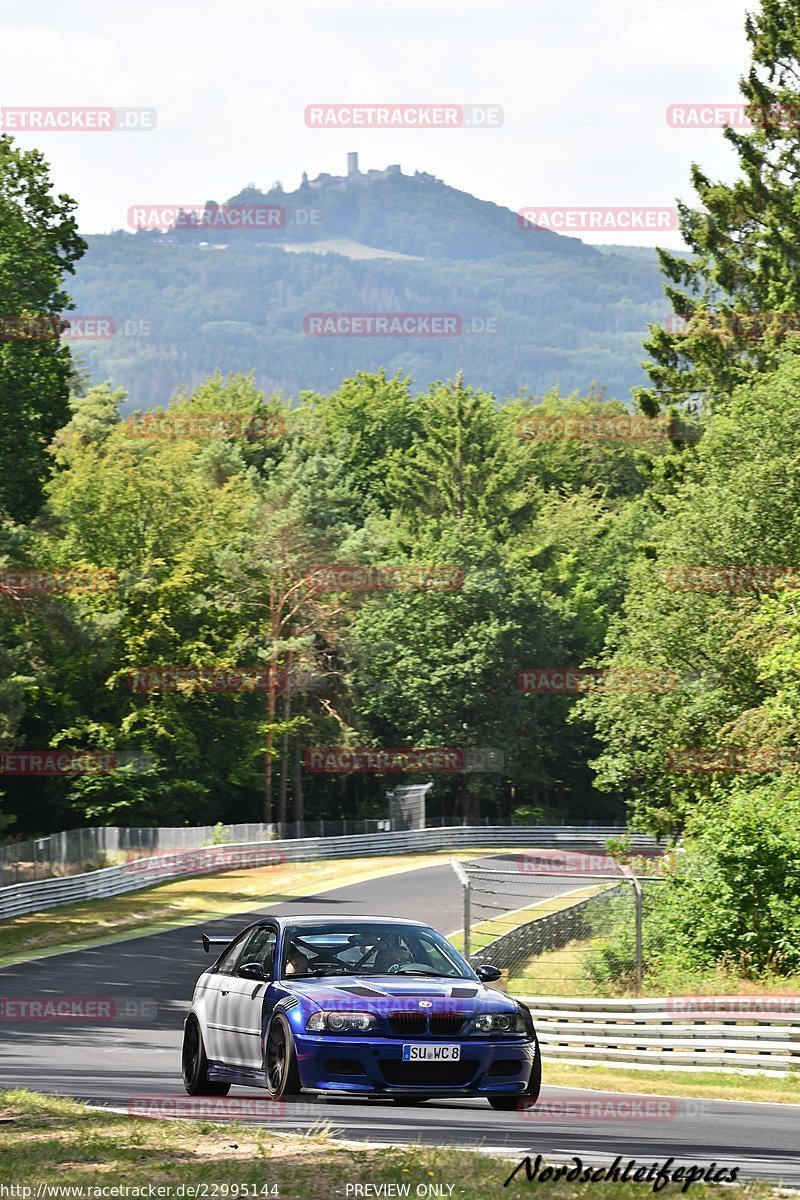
x=356 y=948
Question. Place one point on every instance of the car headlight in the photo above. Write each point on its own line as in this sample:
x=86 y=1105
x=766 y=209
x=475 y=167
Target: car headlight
x=499 y=1023
x=341 y=1022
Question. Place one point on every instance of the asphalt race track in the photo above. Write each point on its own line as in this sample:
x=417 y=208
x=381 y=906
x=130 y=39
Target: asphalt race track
x=136 y=1056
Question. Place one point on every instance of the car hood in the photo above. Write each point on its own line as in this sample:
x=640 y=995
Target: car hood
x=383 y=993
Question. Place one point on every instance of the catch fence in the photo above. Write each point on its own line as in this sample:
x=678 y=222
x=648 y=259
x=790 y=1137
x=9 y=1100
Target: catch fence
x=567 y=923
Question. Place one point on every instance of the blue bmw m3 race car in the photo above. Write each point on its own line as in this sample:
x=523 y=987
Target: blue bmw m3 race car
x=359 y=1007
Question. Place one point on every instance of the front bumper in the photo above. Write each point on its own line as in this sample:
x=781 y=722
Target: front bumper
x=374 y=1065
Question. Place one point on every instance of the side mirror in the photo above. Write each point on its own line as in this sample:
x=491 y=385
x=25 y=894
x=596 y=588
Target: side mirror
x=251 y=971
x=488 y=974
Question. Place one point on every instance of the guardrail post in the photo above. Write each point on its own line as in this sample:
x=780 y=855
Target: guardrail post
x=464 y=880
x=637 y=889
x=467 y=918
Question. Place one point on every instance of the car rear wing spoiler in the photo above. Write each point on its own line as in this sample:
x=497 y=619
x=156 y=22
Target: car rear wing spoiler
x=208 y=942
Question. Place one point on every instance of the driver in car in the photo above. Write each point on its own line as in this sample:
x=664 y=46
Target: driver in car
x=297 y=963
x=391 y=954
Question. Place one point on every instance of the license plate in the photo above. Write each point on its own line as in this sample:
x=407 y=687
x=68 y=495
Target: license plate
x=429 y=1053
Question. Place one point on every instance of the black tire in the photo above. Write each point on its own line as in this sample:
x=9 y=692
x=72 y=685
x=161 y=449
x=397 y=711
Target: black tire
x=194 y=1064
x=280 y=1062
x=528 y=1097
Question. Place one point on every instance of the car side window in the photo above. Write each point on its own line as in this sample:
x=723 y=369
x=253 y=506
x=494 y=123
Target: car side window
x=228 y=961
x=259 y=948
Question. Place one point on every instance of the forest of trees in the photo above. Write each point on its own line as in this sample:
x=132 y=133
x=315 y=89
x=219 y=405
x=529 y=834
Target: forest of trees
x=211 y=546
x=560 y=314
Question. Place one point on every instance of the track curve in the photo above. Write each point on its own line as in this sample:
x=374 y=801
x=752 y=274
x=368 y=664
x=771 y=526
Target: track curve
x=114 y=1062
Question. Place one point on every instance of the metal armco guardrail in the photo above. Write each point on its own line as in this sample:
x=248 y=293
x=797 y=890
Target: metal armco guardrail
x=75 y=851
x=659 y=1033
x=22 y=898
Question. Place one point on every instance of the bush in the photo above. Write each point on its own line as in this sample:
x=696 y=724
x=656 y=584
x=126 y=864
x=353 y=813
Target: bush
x=732 y=907
x=220 y=836
x=735 y=896
x=536 y=814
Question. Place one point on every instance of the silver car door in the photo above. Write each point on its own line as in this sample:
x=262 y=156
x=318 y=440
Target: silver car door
x=218 y=984
x=240 y=1009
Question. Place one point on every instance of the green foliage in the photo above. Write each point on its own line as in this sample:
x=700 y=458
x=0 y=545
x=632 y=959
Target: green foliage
x=534 y=814
x=566 y=548
x=220 y=836
x=38 y=244
x=733 y=897
x=744 y=239
x=212 y=544
x=730 y=653
x=540 y=317
x=729 y=910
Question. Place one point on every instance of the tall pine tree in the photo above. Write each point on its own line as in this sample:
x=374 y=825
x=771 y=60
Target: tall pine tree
x=745 y=265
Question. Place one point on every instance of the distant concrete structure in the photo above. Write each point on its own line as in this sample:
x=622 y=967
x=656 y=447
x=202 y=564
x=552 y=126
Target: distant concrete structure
x=394 y=169
x=407 y=805
x=355 y=177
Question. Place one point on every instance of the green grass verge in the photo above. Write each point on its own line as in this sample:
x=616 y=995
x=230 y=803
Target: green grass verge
x=555 y=973
x=47 y=1140
x=708 y=1085
x=562 y=973
x=484 y=932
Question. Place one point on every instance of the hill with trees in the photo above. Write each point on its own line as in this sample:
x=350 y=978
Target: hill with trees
x=536 y=309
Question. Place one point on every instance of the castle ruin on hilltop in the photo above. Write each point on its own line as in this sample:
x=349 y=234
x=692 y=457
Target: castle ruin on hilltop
x=355 y=177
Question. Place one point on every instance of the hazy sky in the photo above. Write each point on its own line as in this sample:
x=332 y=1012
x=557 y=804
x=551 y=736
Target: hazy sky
x=584 y=87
